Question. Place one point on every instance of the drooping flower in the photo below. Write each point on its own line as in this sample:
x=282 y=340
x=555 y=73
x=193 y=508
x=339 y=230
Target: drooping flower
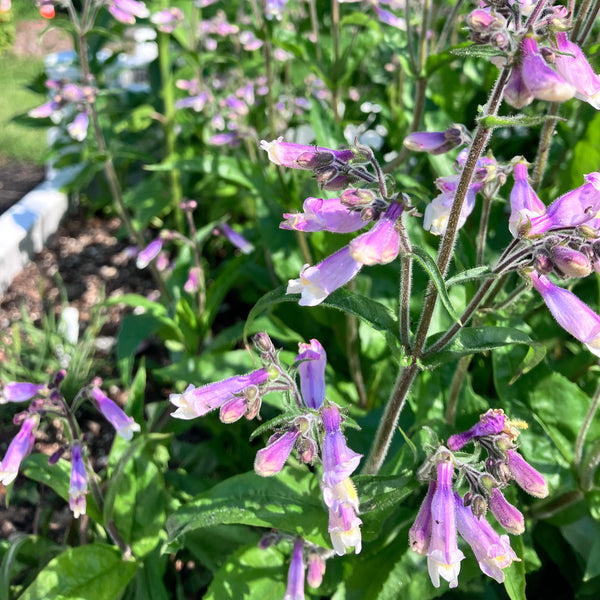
x=126 y=11
x=324 y=215
x=381 y=244
x=419 y=534
x=570 y=262
x=192 y=283
x=576 y=70
x=298 y=156
x=443 y=555
x=541 y=80
x=492 y=551
x=506 y=514
x=570 y=312
x=168 y=19
x=339 y=461
x=196 y=402
x=19 y=391
x=524 y=202
x=18 y=449
x=317 y=282
x=295 y=581
x=437 y=142
x=270 y=459
x=490 y=423
x=528 y=479
x=149 y=253
x=516 y=93
x=577 y=207
x=312 y=361
x=78 y=483
x=78 y=128
x=237 y=239
x=316 y=569
x=124 y=425
x=344 y=524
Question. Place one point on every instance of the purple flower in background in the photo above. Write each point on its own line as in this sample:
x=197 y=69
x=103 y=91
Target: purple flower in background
x=237 y=239
x=324 y=215
x=316 y=569
x=126 y=11
x=168 y=19
x=437 y=142
x=297 y=156
x=270 y=459
x=316 y=283
x=192 y=283
x=339 y=462
x=437 y=211
x=490 y=423
x=524 y=202
x=385 y=16
x=19 y=391
x=506 y=514
x=344 y=525
x=528 y=479
x=196 y=103
x=78 y=128
x=570 y=312
x=18 y=449
x=78 y=483
x=492 y=551
x=381 y=244
x=149 y=253
x=540 y=79
x=274 y=9
x=443 y=555
x=249 y=41
x=576 y=70
x=295 y=581
x=45 y=110
x=124 y=425
x=419 y=534
x=577 y=207
x=312 y=361
x=196 y=402
x=227 y=138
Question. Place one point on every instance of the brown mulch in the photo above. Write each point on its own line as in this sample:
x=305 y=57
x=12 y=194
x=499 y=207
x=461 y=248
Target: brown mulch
x=39 y=37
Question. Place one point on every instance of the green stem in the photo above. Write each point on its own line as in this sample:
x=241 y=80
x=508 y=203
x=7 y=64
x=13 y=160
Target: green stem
x=544 y=146
x=335 y=33
x=457 y=381
x=585 y=427
x=483 y=227
x=581 y=15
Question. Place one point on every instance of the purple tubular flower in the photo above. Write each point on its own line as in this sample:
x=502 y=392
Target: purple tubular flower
x=437 y=142
x=45 y=110
x=270 y=459
x=287 y=154
x=193 y=281
x=324 y=215
x=18 y=449
x=525 y=475
x=78 y=128
x=420 y=533
x=516 y=93
x=312 y=359
x=78 y=484
x=168 y=19
x=124 y=425
x=237 y=239
x=506 y=514
x=576 y=70
x=438 y=210
x=339 y=462
x=381 y=244
x=570 y=312
x=196 y=402
x=149 y=253
x=344 y=525
x=490 y=423
x=19 y=391
x=541 y=80
x=317 y=282
x=577 y=207
x=196 y=103
x=316 y=569
x=492 y=551
x=443 y=555
x=126 y=11
x=524 y=202
x=233 y=410
x=570 y=262
x=295 y=582
x=385 y=16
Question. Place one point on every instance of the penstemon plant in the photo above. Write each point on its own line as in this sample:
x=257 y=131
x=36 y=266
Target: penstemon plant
x=439 y=404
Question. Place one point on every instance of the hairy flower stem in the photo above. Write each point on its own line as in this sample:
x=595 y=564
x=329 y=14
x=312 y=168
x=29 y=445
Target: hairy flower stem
x=544 y=146
x=353 y=352
x=585 y=32
x=483 y=228
x=198 y=261
x=457 y=382
x=109 y=167
x=335 y=34
x=582 y=13
x=451 y=22
x=585 y=427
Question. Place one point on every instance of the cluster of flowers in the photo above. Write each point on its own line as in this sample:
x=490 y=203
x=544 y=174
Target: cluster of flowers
x=46 y=399
x=67 y=99
x=444 y=511
x=532 y=76
x=353 y=210
x=311 y=426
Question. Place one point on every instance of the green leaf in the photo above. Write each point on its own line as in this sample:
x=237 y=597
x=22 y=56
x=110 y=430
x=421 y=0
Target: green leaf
x=471 y=340
x=434 y=273
x=371 y=312
x=136 y=328
x=56 y=477
x=91 y=572
x=514 y=576
x=470 y=275
x=290 y=501
x=250 y=573
x=476 y=51
x=535 y=355
x=362 y=20
x=491 y=122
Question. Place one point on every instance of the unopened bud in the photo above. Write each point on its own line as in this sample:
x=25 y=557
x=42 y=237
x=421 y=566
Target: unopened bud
x=59 y=377
x=356 y=197
x=262 y=342
x=315 y=160
x=55 y=456
x=316 y=570
x=306 y=449
x=542 y=263
x=479 y=506
x=571 y=262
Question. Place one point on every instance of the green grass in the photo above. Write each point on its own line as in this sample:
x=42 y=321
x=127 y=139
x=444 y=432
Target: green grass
x=18 y=141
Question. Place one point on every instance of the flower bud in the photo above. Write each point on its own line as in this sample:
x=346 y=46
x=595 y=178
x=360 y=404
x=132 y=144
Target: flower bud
x=316 y=569
x=526 y=476
x=506 y=514
x=571 y=262
x=270 y=460
x=262 y=342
